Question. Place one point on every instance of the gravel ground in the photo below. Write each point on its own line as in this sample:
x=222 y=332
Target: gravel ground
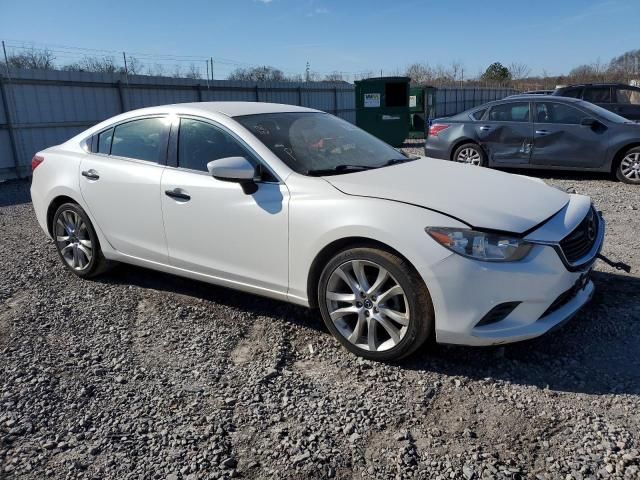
x=144 y=375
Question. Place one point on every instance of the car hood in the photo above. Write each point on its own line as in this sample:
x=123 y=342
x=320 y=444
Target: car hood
x=480 y=197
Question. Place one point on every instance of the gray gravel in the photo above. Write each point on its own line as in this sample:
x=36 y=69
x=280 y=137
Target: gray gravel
x=144 y=375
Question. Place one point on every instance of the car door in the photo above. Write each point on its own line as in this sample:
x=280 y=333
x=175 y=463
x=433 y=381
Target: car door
x=560 y=139
x=213 y=227
x=628 y=102
x=120 y=183
x=505 y=132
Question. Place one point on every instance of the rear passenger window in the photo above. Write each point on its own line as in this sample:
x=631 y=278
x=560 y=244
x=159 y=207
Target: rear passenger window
x=477 y=115
x=510 y=112
x=200 y=142
x=597 y=94
x=143 y=139
x=549 y=112
x=104 y=141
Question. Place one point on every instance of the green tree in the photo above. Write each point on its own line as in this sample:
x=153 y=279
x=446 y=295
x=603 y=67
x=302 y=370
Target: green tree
x=496 y=73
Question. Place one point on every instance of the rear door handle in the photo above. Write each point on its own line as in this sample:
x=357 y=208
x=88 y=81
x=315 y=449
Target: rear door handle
x=178 y=194
x=485 y=128
x=91 y=174
x=542 y=133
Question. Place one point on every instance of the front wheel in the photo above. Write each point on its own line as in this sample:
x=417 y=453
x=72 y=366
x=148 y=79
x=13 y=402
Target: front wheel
x=77 y=242
x=470 y=154
x=375 y=304
x=628 y=170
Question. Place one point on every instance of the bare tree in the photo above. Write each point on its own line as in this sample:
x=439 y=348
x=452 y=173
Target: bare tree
x=519 y=70
x=105 y=64
x=419 y=73
x=193 y=72
x=134 y=66
x=32 y=59
x=334 y=77
x=257 y=74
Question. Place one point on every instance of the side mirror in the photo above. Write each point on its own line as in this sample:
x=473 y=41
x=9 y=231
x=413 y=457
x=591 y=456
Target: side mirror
x=589 y=122
x=232 y=169
x=235 y=169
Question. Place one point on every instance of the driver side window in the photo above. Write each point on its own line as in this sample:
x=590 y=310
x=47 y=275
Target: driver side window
x=200 y=142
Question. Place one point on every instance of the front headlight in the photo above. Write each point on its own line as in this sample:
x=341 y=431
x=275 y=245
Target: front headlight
x=488 y=247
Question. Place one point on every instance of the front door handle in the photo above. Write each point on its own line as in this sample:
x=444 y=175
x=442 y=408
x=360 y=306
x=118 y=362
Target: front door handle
x=178 y=194
x=90 y=174
x=485 y=128
x=542 y=133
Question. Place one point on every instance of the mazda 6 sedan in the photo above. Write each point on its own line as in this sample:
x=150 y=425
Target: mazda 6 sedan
x=301 y=206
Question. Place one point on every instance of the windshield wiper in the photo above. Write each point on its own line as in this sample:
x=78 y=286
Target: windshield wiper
x=339 y=169
x=395 y=161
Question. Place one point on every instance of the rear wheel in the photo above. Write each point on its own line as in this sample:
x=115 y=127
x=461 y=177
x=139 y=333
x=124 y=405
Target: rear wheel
x=471 y=154
x=77 y=242
x=375 y=304
x=628 y=169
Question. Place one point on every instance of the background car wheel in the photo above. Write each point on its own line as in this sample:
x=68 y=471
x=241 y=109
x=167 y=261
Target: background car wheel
x=471 y=154
x=77 y=242
x=375 y=304
x=628 y=169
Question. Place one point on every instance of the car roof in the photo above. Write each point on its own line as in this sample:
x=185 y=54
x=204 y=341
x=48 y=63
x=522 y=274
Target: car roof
x=602 y=84
x=537 y=98
x=230 y=109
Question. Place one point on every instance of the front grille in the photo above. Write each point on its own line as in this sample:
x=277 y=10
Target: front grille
x=581 y=240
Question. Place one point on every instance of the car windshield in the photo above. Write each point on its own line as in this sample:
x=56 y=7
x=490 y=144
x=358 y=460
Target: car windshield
x=604 y=113
x=315 y=143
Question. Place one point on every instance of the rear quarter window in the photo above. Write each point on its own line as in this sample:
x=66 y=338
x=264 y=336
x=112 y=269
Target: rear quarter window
x=478 y=114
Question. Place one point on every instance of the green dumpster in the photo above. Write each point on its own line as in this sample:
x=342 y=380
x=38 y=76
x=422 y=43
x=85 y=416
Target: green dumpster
x=416 y=112
x=382 y=108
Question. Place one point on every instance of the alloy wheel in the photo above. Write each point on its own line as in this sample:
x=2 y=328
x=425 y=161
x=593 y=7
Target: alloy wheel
x=367 y=305
x=73 y=240
x=630 y=166
x=470 y=156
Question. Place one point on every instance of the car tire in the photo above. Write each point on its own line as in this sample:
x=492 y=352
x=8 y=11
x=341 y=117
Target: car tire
x=470 y=154
x=628 y=168
x=375 y=304
x=76 y=241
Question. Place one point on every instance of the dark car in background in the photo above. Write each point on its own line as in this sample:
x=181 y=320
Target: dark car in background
x=542 y=132
x=616 y=97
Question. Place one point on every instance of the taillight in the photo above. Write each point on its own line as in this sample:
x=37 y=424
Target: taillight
x=436 y=128
x=35 y=161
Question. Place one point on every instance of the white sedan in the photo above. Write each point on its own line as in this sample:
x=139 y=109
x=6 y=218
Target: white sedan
x=298 y=205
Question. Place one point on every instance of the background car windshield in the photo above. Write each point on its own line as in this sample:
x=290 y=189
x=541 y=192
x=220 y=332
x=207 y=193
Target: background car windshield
x=308 y=141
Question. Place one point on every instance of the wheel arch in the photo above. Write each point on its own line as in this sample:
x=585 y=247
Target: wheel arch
x=331 y=249
x=619 y=155
x=54 y=205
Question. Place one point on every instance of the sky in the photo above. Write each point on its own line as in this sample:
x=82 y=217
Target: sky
x=351 y=36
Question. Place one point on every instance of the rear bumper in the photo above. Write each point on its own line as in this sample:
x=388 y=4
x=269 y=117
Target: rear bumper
x=436 y=148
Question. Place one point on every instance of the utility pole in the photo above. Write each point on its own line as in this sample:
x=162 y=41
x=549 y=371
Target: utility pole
x=126 y=71
x=307 y=72
x=207 y=63
x=6 y=60
x=211 y=68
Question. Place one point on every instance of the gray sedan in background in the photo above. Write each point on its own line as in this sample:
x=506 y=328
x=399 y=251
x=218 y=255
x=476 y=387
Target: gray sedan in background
x=542 y=132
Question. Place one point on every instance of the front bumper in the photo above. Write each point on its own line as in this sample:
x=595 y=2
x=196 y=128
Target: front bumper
x=547 y=291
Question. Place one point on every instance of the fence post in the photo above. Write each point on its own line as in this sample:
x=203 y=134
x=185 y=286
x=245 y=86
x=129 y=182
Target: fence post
x=335 y=101
x=121 y=96
x=257 y=93
x=12 y=133
x=199 y=87
x=299 y=96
